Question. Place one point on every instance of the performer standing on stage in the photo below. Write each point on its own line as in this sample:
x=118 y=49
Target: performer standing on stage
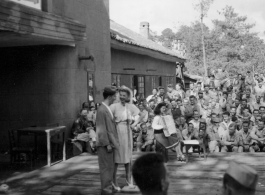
x=107 y=140
x=124 y=113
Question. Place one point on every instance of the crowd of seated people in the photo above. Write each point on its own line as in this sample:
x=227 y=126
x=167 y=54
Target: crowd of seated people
x=83 y=134
x=232 y=108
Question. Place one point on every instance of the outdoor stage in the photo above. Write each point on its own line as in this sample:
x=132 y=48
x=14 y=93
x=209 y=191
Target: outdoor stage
x=195 y=177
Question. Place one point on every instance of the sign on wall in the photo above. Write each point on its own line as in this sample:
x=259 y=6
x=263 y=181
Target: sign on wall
x=30 y=3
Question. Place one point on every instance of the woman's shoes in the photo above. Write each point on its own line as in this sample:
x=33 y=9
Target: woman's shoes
x=129 y=184
x=115 y=188
x=181 y=158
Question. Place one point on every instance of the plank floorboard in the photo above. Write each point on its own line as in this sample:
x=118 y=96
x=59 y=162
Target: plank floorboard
x=196 y=177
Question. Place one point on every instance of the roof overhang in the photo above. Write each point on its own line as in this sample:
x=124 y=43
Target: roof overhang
x=25 y=26
x=144 y=51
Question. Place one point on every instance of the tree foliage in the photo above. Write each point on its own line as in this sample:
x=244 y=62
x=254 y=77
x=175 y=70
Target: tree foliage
x=230 y=44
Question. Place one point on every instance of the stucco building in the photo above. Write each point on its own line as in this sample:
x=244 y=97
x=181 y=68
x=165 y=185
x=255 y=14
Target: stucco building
x=140 y=63
x=45 y=74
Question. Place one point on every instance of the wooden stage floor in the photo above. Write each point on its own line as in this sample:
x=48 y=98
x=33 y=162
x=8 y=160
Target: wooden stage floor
x=195 y=177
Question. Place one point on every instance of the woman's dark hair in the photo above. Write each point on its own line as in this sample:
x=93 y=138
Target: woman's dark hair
x=157 y=110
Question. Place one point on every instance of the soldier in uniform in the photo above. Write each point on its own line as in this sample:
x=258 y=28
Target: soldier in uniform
x=231 y=140
x=245 y=139
x=258 y=136
x=213 y=136
x=240 y=180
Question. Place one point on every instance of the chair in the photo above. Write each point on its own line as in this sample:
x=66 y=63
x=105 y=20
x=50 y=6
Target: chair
x=16 y=150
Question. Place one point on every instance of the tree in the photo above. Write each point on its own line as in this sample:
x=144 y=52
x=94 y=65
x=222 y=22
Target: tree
x=230 y=44
x=204 y=6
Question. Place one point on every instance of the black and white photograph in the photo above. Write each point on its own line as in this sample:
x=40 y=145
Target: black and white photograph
x=143 y=97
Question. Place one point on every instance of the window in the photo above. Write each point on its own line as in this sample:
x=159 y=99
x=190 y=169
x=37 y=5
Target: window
x=153 y=82
x=141 y=86
x=160 y=81
x=90 y=83
x=169 y=80
x=116 y=79
x=37 y=4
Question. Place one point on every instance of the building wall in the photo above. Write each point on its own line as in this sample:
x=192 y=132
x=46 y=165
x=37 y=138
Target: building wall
x=47 y=84
x=158 y=69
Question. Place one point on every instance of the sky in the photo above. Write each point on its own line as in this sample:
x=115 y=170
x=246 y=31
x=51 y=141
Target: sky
x=172 y=14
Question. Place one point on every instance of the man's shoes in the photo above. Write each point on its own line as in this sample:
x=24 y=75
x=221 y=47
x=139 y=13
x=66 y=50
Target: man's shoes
x=115 y=188
x=107 y=191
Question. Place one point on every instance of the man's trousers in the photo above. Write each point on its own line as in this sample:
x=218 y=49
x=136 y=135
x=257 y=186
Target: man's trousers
x=106 y=167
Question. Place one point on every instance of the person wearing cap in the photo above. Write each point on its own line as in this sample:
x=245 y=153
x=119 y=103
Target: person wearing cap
x=150 y=174
x=245 y=138
x=214 y=139
x=239 y=179
x=191 y=91
x=107 y=140
x=172 y=93
x=230 y=140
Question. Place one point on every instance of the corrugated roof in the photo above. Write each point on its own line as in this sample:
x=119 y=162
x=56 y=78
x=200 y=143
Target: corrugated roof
x=125 y=35
x=195 y=77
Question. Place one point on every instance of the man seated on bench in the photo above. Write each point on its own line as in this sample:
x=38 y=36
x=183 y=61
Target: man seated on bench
x=145 y=139
x=231 y=139
x=190 y=134
x=84 y=134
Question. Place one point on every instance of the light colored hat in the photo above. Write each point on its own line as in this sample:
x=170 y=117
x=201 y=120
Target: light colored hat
x=243 y=174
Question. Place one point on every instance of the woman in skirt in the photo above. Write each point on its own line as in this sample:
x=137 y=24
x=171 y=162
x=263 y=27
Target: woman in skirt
x=165 y=142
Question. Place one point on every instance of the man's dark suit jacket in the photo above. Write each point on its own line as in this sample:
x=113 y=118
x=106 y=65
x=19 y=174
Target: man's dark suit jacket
x=106 y=128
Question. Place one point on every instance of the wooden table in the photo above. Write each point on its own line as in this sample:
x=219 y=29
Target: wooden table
x=49 y=132
x=194 y=143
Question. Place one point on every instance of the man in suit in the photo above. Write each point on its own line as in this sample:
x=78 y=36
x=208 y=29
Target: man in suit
x=107 y=140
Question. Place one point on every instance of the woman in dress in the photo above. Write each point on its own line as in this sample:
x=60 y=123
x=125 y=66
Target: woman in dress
x=165 y=142
x=124 y=113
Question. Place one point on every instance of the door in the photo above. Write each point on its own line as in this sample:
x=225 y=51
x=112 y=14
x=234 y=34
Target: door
x=126 y=80
x=141 y=87
x=116 y=80
x=148 y=85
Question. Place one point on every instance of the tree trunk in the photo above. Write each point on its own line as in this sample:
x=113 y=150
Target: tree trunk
x=203 y=45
